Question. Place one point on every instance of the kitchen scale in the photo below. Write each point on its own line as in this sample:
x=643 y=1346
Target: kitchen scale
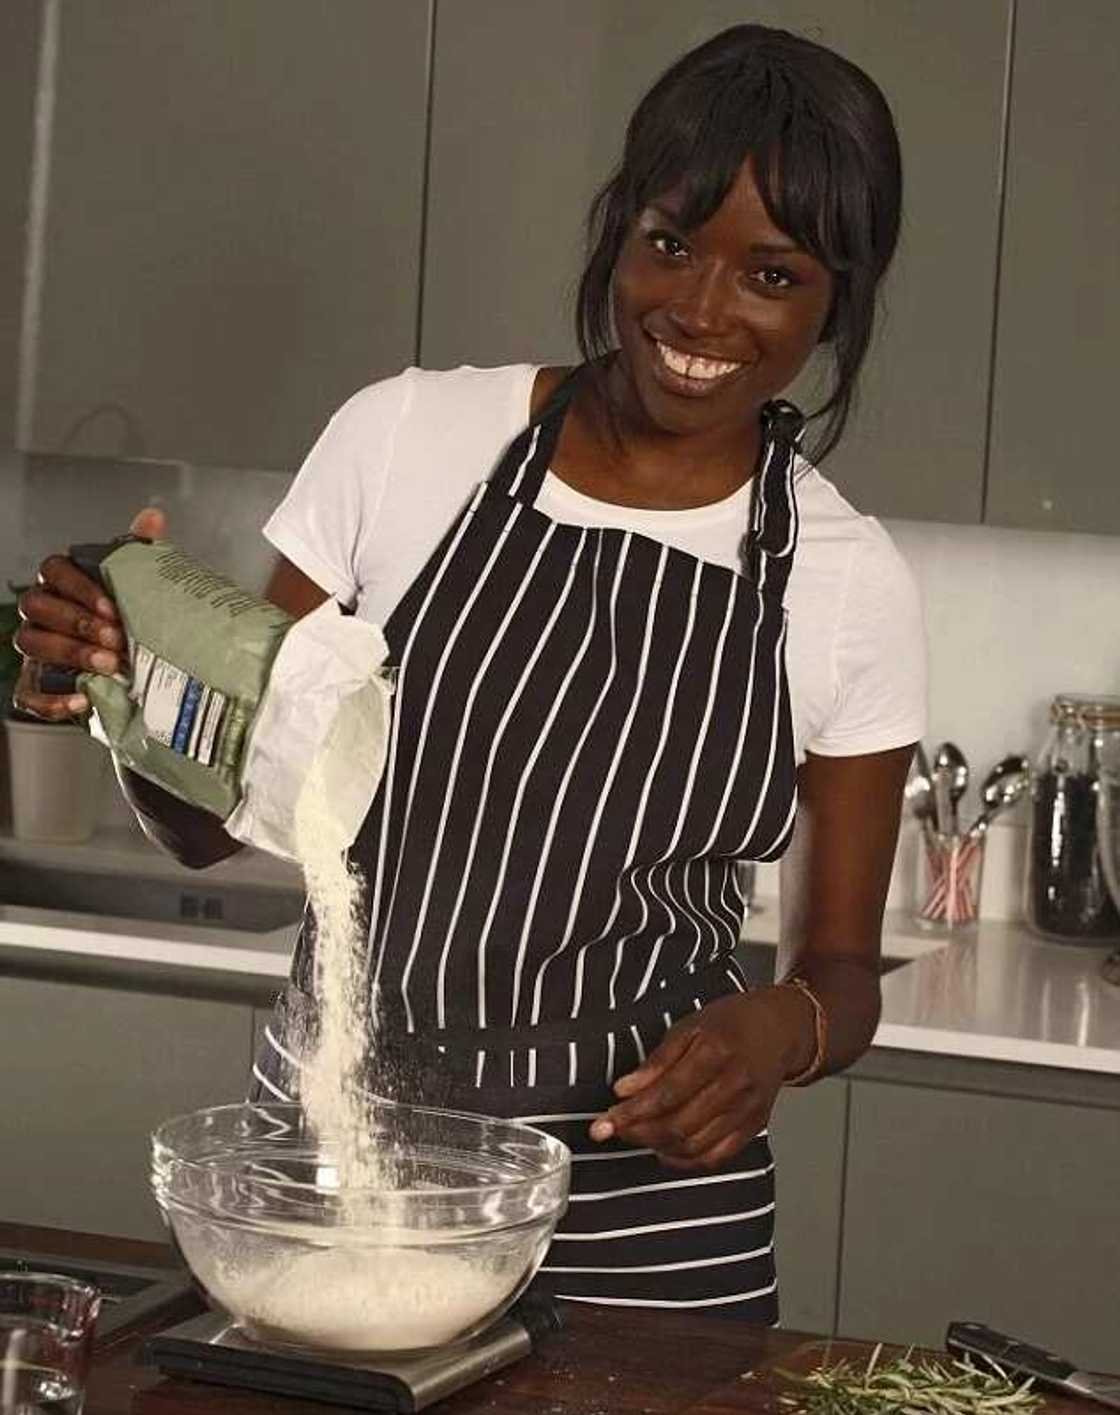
x=210 y=1348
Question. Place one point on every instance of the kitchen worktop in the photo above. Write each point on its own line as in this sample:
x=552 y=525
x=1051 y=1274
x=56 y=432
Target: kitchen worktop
x=998 y=994
x=606 y=1361
x=125 y=853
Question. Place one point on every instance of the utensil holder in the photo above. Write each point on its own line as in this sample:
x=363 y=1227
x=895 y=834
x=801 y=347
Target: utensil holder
x=952 y=868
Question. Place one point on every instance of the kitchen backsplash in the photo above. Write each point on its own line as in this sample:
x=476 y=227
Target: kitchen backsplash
x=1012 y=616
x=214 y=511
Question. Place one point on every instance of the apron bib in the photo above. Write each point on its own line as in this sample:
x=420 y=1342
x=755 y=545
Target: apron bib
x=591 y=730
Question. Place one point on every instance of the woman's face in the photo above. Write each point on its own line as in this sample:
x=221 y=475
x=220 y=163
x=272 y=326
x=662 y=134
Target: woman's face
x=714 y=322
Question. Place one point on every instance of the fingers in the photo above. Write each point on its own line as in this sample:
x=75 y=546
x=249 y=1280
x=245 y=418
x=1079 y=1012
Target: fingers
x=720 y=1153
x=151 y=523
x=693 y=1112
x=52 y=707
x=61 y=577
x=670 y=1049
x=694 y=1063
x=62 y=632
x=42 y=611
x=62 y=651
x=691 y=1127
x=652 y=1085
x=68 y=621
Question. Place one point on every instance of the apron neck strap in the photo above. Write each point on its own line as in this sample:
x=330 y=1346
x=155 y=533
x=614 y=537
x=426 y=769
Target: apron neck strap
x=772 y=535
x=521 y=471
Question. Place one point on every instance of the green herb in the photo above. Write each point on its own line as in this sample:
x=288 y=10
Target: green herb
x=905 y=1386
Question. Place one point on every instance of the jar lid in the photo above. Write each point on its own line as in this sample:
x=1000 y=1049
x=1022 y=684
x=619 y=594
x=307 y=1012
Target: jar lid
x=1095 y=710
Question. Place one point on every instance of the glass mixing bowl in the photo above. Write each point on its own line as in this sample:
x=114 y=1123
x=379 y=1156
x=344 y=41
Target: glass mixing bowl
x=250 y=1194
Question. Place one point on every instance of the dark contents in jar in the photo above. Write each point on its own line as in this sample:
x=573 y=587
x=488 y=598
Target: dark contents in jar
x=1069 y=896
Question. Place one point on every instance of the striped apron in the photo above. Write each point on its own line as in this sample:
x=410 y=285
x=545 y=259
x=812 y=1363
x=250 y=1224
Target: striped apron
x=591 y=731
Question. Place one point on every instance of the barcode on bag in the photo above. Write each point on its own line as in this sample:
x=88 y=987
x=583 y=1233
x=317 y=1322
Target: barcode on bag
x=179 y=711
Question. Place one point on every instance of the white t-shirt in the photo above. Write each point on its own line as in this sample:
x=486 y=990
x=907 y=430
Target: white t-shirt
x=399 y=460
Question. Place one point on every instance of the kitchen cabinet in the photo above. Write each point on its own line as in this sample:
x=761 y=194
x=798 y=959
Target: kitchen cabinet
x=999 y=1208
x=19 y=57
x=88 y=1072
x=529 y=105
x=1059 y=292
x=232 y=234
x=807 y=1130
x=807 y=1136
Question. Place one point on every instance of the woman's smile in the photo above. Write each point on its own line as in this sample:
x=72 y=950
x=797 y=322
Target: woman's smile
x=691 y=375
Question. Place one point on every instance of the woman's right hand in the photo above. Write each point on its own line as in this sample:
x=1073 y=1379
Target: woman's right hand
x=70 y=622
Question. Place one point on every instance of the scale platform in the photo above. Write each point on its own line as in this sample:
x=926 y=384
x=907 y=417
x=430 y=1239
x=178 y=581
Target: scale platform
x=211 y=1349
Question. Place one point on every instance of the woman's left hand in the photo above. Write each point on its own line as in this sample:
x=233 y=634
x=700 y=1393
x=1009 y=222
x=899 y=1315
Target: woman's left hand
x=710 y=1085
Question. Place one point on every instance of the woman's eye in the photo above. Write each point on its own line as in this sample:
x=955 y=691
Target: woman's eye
x=773 y=277
x=668 y=244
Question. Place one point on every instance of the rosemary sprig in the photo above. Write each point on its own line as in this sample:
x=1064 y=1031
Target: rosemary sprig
x=908 y=1386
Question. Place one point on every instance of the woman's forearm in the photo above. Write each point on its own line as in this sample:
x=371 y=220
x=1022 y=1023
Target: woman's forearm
x=193 y=836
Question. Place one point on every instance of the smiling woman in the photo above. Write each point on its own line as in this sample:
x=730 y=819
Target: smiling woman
x=765 y=167
x=638 y=639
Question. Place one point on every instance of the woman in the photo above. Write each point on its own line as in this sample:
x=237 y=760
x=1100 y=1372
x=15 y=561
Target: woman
x=636 y=633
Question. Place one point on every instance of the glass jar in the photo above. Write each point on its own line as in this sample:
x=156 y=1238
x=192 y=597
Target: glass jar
x=1067 y=895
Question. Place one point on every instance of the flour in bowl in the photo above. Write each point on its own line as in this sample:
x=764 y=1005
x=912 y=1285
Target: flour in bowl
x=381 y=1299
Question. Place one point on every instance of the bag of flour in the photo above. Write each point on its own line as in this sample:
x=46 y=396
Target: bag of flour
x=228 y=700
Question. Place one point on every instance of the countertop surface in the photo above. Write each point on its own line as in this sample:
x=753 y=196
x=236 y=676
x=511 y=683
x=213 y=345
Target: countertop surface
x=998 y=993
x=606 y=1361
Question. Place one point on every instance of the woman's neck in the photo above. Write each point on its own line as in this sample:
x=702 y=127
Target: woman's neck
x=608 y=451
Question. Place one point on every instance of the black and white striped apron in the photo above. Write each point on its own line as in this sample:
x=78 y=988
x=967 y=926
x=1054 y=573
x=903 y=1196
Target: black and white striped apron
x=591 y=729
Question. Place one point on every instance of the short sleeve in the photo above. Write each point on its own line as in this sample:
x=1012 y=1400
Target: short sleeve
x=334 y=499
x=879 y=655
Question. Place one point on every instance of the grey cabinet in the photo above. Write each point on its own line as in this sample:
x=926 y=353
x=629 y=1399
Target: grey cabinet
x=232 y=235
x=529 y=105
x=19 y=57
x=807 y=1132
x=993 y=1208
x=1059 y=297
x=88 y=1072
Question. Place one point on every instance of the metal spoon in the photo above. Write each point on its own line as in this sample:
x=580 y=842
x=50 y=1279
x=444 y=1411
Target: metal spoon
x=1007 y=781
x=918 y=792
x=950 y=782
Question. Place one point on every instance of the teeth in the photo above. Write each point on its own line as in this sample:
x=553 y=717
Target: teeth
x=689 y=367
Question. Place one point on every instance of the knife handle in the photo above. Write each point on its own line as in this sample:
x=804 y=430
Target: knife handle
x=975 y=1339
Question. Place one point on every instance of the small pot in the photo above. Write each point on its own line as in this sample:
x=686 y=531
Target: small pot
x=56 y=772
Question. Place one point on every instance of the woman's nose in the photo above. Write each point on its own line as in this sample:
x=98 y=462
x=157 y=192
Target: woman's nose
x=702 y=308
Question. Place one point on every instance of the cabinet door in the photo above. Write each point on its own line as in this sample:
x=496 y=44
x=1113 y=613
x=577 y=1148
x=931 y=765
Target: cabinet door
x=807 y=1137
x=233 y=226
x=987 y=1208
x=1059 y=289
x=88 y=1074
x=19 y=58
x=529 y=106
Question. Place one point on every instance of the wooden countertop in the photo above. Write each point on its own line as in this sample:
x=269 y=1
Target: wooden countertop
x=606 y=1361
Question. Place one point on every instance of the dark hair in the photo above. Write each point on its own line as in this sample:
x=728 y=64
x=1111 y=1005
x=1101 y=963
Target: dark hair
x=826 y=158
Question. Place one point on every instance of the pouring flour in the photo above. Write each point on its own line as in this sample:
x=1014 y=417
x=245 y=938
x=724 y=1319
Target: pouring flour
x=280 y=727
x=230 y=700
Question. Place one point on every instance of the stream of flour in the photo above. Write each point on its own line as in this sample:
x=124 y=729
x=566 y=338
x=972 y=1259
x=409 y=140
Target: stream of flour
x=365 y=1295
x=331 y=1083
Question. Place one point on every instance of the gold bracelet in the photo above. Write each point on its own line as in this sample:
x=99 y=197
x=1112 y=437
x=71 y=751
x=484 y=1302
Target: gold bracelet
x=820 y=1029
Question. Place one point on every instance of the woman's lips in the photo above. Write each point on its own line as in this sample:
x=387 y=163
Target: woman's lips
x=687 y=374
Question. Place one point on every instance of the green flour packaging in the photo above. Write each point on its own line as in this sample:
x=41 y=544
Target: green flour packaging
x=228 y=702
